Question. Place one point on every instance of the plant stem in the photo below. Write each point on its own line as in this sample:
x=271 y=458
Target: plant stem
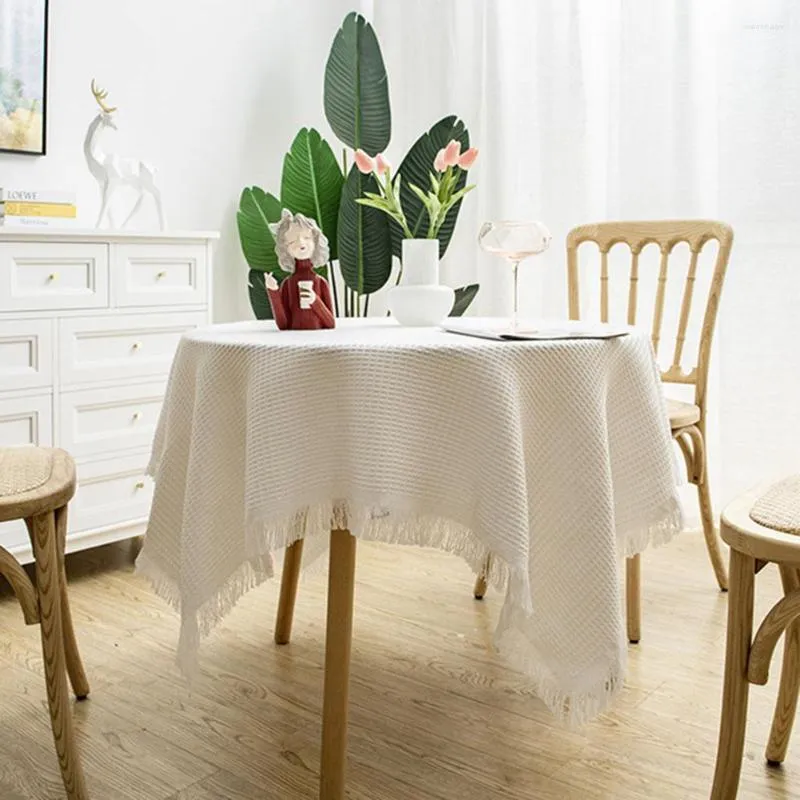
x=366 y=305
x=387 y=190
x=332 y=281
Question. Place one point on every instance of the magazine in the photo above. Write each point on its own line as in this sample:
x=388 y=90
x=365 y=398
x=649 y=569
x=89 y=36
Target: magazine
x=501 y=330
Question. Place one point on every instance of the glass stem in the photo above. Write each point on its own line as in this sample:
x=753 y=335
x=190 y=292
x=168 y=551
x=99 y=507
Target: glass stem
x=515 y=314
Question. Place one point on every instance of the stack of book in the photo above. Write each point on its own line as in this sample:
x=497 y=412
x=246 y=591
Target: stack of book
x=34 y=208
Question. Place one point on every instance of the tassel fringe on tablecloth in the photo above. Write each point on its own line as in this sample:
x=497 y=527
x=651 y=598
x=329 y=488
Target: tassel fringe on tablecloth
x=573 y=707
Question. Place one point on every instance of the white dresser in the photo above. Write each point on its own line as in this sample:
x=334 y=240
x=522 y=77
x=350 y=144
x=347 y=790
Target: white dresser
x=89 y=323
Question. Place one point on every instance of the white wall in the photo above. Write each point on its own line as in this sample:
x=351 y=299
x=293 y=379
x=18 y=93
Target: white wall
x=210 y=92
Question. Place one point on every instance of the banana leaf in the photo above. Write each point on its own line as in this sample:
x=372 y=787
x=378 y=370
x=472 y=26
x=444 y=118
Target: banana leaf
x=416 y=169
x=356 y=91
x=365 y=247
x=258 y=294
x=311 y=183
x=464 y=297
x=257 y=210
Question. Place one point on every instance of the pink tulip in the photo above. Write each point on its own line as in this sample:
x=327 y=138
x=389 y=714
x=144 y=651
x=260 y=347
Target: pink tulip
x=467 y=159
x=382 y=164
x=438 y=162
x=451 y=153
x=364 y=162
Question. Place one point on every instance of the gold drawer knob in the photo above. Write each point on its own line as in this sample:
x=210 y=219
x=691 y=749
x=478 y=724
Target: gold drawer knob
x=52 y=277
x=139 y=485
x=161 y=275
x=136 y=346
x=137 y=415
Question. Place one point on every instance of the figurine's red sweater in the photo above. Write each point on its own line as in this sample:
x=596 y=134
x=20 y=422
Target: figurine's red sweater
x=285 y=301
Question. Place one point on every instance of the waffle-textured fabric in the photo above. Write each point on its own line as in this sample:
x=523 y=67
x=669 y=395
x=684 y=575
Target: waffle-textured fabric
x=555 y=457
x=779 y=507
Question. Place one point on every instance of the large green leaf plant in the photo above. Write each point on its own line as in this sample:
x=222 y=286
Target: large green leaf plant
x=362 y=239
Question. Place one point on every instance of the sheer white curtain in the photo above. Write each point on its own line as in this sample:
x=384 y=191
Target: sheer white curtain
x=620 y=109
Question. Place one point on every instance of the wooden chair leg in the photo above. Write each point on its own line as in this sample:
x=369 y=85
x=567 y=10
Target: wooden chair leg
x=77 y=675
x=710 y=530
x=45 y=550
x=291 y=576
x=786 y=704
x=481 y=581
x=633 y=598
x=736 y=686
x=338 y=640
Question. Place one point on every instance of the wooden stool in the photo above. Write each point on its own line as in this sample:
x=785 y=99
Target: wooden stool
x=35 y=485
x=761 y=528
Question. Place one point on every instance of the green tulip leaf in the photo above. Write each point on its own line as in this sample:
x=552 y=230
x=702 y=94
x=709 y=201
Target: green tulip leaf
x=464 y=297
x=356 y=93
x=257 y=210
x=416 y=169
x=365 y=246
x=312 y=182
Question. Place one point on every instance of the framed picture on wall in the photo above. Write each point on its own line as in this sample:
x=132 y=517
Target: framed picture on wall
x=23 y=76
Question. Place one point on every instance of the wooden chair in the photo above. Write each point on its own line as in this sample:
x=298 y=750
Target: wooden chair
x=687 y=420
x=761 y=528
x=35 y=485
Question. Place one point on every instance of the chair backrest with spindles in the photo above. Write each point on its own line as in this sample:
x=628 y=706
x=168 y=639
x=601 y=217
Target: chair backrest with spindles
x=666 y=234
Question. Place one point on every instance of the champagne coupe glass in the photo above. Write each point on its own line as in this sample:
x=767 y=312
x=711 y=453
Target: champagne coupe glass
x=514 y=241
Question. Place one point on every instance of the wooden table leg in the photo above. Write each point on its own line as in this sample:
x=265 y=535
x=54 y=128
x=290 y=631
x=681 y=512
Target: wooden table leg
x=338 y=638
x=291 y=575
x=633 y=598
x=482 y=580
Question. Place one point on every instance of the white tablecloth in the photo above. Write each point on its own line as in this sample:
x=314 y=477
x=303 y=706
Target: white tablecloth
x=553 y=456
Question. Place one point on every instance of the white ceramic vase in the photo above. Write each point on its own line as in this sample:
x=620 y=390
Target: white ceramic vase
x=419 y=300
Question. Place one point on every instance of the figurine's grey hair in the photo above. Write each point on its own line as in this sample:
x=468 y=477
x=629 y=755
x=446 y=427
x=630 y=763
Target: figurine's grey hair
x=321 y=252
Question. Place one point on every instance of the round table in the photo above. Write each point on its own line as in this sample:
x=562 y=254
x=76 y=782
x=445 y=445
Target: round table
x=554 y=457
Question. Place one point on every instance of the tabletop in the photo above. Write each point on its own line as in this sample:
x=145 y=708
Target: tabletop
x=383 y=333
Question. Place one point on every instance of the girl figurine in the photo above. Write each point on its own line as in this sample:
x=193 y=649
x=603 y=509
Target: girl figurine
x=303 y=300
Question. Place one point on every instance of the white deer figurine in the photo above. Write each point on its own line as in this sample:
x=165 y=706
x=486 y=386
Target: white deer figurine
x=112 y=171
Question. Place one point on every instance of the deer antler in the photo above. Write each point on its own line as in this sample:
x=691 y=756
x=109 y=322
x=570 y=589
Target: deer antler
x=100 y=95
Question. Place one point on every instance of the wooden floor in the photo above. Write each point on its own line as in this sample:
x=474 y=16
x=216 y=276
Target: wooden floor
x=433 y=714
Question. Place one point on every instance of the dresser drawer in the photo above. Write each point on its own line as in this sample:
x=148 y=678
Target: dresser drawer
x=52 y=275
x=26 y=420
x=95 y=421
x=110 y=491
x=159 y=274
x=128 y=345
x=23 y=420
x=26 y=354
